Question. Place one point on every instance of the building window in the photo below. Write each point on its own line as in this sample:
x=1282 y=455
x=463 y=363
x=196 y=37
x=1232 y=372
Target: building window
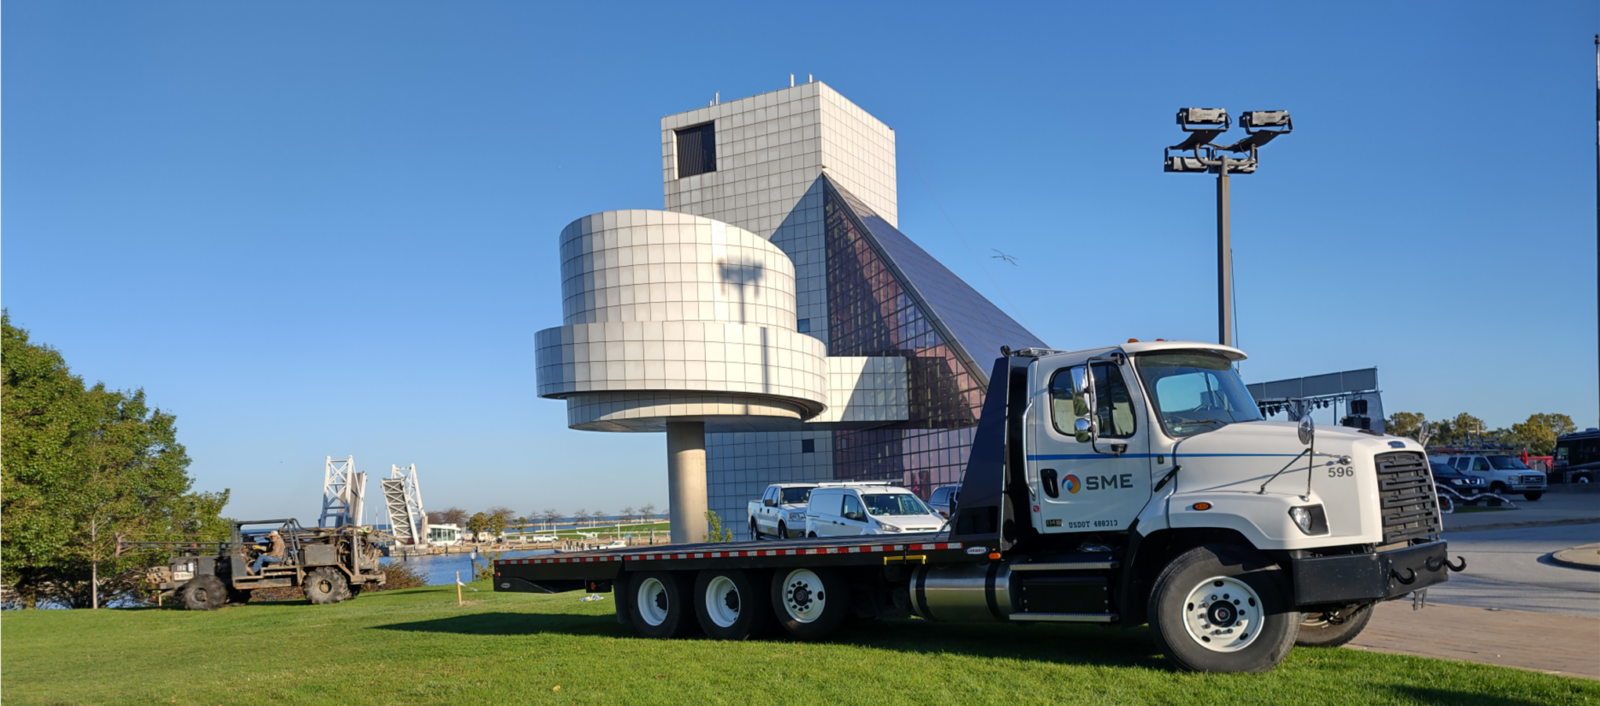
x=808 y=446
x=697 y=150
x=803 y=325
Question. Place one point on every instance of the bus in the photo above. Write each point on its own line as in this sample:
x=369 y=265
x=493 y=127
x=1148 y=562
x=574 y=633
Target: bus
x=1577 y=458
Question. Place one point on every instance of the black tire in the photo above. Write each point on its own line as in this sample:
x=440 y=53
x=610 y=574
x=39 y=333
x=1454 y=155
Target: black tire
x=755 y=531
x=661 y=604
x=1497 y=488
x=326 y=586
x=812 y=535
x=1333 y=628
x=810 y=603
x=1232 y=630
x=783 y=530
x=731 y=605
x=205 y=593
x=1533 y=496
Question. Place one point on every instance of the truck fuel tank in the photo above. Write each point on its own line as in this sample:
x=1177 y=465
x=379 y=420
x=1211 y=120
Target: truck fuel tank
x=964 y=593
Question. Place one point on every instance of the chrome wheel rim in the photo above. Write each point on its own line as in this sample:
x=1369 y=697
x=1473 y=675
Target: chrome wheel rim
x=1223 y=614
x=723 y=601
x=803 y=595
x=652 y=600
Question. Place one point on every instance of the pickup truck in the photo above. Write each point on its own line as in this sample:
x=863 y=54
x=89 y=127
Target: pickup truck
x=781 y=511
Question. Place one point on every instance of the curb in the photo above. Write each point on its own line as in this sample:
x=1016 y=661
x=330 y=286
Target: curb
x=1569 y=557
x=1522 y=525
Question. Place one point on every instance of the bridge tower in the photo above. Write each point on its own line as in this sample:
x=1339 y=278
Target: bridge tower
x=343 y=493
x=403 y=498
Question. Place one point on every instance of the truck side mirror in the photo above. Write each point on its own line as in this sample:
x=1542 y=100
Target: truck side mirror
x=1083 y=431
x=1083 y=404
x=769 y=502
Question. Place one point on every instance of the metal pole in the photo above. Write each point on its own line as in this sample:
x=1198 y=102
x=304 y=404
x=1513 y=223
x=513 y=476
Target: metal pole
x=1597 y=164
x=1224 y=263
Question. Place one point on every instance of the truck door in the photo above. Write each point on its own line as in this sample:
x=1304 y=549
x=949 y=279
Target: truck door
x=1080 y=489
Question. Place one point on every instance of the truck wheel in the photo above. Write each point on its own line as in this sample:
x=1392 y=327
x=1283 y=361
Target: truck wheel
x=755 y=532
x=1533 y=496
x=661 y=604
x=783 y=530
x=204 y=593
x=325 y=586
x=1223 y=608
x=810 y=603
x=1497 y=488
x=729 y=604
x=1332 y=628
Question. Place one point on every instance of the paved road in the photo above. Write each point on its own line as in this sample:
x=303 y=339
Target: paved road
x=1510 y=570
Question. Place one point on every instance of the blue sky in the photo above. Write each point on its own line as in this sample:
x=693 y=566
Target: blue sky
x=330 y=229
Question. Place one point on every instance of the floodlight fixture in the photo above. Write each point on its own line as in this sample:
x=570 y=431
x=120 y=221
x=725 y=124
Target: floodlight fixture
x=1254 y=120
x=1203 y=118
x=1199 y=154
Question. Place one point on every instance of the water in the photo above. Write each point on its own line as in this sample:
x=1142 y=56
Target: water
x=440 y=569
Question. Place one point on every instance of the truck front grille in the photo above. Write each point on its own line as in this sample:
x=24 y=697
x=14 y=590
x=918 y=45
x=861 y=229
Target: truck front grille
x=1409 y=504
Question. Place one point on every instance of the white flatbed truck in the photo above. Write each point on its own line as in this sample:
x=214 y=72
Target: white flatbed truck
x=1124 y=485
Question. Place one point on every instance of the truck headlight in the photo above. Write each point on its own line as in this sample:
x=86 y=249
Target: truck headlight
x=888 y=528
x=1310 y=519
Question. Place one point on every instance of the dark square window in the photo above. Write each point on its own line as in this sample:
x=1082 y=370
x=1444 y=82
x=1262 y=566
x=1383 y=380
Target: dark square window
x=808 y=446
x=697 y=150
x=803 y=325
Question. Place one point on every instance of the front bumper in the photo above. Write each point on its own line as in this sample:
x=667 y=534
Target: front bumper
x=1360 y=578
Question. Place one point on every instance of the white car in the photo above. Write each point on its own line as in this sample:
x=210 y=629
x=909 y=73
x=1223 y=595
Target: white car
x=869 y=510
x=1504 y=473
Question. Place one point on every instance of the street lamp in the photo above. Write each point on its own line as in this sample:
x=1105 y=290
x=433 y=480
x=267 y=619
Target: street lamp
x=1204 y=126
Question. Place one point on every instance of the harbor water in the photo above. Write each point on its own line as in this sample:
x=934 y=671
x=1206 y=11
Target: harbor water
x=440 y=569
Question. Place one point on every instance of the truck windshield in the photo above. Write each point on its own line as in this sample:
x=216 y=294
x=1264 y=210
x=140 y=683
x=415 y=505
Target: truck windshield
x=1508 y=463
x=1195 y=391
x=894 y=504
x=796 y=496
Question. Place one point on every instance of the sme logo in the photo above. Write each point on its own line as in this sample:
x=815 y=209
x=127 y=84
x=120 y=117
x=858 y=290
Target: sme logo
x=1072 y=484
x=1106 y=482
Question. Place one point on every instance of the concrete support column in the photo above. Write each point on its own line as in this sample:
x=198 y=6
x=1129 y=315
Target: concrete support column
x=686 y=480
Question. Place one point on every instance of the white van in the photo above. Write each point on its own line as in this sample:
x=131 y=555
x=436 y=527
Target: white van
x=868 y=510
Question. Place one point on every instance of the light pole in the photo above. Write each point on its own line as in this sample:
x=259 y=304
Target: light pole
x=1204 y=125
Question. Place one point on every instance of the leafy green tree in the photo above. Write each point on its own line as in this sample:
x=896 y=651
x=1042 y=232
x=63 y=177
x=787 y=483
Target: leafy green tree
x=80 y=468
x=1538 y=434
x=479 y=522
x=714 y=530
x=1407 y=424
x=1467 y=428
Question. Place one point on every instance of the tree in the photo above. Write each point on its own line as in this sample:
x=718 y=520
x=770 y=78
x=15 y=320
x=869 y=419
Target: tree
x=649 y=511
x=1467 y=428
x=715 y=532
x=80 y=468
x=596 y=517
x=627 y=514
x=1408 y=424
x=505 y=514
x=1538 y=434
x=479 y=522
x=449 y=516
x=550 y=515
x=580 y=515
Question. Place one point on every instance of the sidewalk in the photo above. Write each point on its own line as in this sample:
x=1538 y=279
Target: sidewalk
x=1584 y=557
x=1552 y=509
x=1554 y=644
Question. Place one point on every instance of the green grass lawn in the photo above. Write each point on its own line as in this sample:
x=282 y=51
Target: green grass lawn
x=417 y=647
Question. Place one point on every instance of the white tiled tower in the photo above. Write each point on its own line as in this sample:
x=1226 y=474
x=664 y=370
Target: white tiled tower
x=770 y=150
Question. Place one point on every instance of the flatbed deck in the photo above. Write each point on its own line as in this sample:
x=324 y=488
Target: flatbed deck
x=595 y=569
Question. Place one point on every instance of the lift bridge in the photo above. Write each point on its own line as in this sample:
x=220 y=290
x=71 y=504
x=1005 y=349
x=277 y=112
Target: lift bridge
x=343 y=493
x=403 y=497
